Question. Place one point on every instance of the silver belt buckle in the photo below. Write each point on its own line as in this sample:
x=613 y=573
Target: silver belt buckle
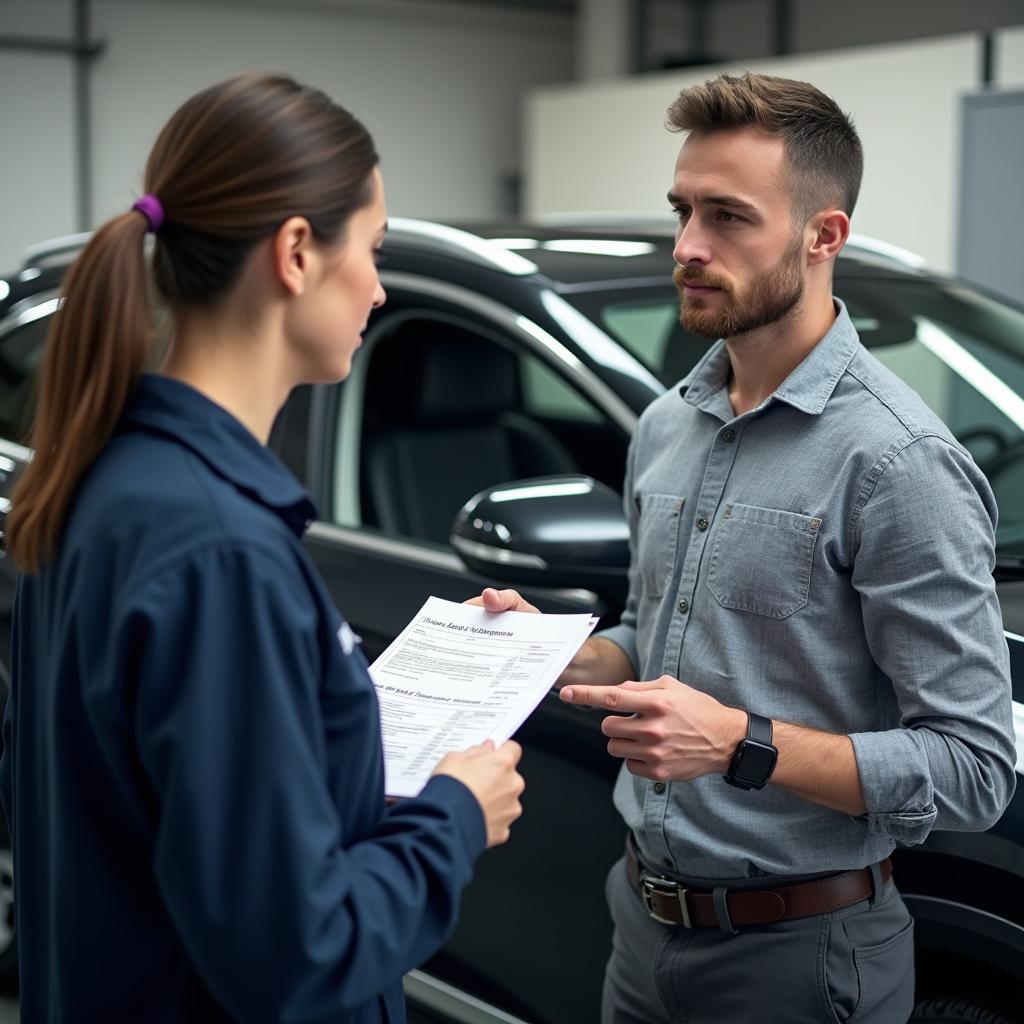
x=651 y=885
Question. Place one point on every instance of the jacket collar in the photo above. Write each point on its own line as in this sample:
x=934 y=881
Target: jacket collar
x=807 y=388
x=175 y=410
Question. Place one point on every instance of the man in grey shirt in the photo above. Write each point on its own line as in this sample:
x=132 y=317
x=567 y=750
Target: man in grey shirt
x=811 y=603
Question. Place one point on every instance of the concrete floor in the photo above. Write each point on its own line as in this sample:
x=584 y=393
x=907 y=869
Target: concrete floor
x=9 y=1014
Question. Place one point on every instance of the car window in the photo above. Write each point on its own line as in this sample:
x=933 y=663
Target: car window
x=21 y=348
x=644 y=328
x=964 y=354
x=962 y=351
x=546 y=394
x=439 y=407
x=646 y=322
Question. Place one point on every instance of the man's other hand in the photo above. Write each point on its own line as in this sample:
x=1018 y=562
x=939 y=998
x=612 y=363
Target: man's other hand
x=674 y=732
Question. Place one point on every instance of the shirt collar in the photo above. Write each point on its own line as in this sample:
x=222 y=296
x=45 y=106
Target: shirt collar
x=807 y=388
x=176 y=410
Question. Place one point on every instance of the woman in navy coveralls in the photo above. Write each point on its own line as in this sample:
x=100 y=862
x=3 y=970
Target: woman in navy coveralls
x=192 y=765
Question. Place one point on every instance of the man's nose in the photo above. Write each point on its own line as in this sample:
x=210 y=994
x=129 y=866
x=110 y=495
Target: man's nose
x=691 y=244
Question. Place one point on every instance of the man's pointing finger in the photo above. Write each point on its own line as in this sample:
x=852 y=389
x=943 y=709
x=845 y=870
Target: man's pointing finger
x=650 y=684
x=614 y=698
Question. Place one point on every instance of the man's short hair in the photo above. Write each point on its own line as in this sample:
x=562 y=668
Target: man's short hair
x=822 y=146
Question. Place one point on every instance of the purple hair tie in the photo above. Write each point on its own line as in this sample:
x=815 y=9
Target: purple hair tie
x=152 y=209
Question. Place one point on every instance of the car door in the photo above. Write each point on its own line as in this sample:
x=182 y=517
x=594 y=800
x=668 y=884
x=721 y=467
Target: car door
x=539 y=899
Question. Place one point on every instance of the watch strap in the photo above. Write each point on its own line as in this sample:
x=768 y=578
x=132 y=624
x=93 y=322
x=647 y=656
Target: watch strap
x=759 y=737
x=759 y=728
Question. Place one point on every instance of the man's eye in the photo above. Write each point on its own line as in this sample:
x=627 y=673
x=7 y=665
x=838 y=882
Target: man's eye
x=681 y=212
x=727 y=216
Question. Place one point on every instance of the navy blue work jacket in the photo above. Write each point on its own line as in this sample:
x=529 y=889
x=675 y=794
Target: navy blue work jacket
x=192 y=764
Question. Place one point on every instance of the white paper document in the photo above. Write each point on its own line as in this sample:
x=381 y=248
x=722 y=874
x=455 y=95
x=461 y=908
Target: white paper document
x=458 y=675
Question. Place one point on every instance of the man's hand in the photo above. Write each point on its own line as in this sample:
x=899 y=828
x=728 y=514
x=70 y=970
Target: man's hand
x=502 y=601
x=679 y=733
x=675 y=732
x=598 y=662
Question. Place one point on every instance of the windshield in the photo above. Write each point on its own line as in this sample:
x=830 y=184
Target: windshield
x=960 y=350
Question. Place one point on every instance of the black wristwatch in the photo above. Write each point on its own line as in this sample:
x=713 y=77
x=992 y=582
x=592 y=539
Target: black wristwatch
x=754 y=761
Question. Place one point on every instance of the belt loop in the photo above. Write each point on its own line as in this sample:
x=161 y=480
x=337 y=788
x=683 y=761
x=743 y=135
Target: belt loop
x=877 y=884
x=722 y=910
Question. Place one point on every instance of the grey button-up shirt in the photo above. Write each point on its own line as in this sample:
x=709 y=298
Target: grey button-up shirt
x=824 y=559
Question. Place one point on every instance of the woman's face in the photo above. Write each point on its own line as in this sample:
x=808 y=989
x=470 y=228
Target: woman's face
x=329 y=326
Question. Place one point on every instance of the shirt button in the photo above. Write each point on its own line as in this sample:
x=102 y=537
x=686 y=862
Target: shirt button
x=684 y=606
x=659 y=787
x=702 y=524
x=728 y=435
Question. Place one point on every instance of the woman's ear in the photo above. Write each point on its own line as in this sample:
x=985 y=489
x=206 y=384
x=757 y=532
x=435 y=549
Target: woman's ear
x=832 y=229
x=293 y=254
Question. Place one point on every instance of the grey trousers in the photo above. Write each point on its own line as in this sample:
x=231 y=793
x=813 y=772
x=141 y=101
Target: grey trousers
x=853 y=966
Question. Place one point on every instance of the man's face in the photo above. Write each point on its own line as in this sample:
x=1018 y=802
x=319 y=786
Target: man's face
x=740 y=257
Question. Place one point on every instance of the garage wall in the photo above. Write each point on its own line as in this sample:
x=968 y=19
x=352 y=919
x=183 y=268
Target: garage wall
x=37 y=192
x=603 y=147
x=824 y=24
x=1009 y=58
x=440 y=86
x=746 y=29
x=440 y=92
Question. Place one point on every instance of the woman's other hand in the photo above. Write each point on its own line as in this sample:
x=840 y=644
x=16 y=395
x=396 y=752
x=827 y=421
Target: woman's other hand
x=489 y=773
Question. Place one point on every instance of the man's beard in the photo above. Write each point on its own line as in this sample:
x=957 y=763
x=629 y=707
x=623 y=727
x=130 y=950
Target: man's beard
x=769 y=298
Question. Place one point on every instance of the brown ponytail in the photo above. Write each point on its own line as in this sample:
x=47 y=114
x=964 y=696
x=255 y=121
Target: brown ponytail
x=233 y=163
x=94 y=354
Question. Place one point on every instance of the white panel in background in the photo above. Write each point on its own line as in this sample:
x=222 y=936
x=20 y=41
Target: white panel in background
x=441 y=94
x=603 y=146
x=1009 y=58
x=37 y=172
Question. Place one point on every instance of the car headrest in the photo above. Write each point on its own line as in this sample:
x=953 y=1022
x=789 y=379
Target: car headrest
x=466 y=378
x=433 y=372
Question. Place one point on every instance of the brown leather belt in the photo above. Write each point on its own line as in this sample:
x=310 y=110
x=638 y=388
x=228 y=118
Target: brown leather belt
x=671 y=902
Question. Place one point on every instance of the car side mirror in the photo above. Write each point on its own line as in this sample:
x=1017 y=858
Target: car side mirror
x=551 y=531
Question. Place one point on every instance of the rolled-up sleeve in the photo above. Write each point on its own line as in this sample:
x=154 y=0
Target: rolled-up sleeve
x=623 y=633
x=924 y=536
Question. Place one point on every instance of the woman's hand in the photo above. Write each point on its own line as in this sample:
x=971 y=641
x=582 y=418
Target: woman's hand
x=502 y=601
x=490 y=774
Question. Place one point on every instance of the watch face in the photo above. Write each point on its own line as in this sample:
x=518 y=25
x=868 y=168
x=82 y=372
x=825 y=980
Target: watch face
x=754 y=762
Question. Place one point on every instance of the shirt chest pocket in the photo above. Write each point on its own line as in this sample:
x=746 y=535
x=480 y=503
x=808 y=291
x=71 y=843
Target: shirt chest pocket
x=762 y=558
x=657 y=541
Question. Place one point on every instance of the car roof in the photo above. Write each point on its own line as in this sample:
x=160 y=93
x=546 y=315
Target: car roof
x=581 y=250
x=572 y=250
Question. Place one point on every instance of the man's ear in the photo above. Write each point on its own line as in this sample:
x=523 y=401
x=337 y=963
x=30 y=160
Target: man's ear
x=293 y=254
x=831 y=229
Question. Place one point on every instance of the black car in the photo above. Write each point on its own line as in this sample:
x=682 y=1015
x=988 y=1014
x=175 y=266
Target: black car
x=517 y=352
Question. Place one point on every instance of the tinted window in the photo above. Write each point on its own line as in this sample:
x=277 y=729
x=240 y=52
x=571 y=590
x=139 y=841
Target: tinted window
x=964 y=354
x=961 y=351
x=646 y=322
